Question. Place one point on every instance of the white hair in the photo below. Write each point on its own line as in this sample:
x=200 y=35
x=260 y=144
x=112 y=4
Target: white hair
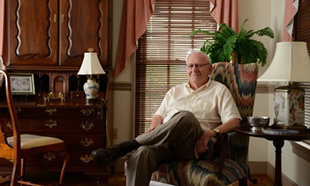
x=192 y=51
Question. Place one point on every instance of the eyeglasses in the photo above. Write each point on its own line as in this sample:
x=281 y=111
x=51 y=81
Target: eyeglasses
x=196 y=65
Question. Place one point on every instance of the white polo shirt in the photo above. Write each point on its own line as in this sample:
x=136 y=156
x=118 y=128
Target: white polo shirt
x=212 y=103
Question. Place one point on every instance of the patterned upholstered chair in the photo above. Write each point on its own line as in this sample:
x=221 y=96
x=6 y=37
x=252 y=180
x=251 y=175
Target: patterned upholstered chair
x=230 y=166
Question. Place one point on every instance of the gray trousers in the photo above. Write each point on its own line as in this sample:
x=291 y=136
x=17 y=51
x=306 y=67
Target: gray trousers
x=173 y=140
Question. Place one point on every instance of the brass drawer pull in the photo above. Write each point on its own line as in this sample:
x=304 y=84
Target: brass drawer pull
x=18 y=110
x=51 y=123
x=87 y=158
x=87 y=126
x=49 y=156
x=87 y=112
x=86 y=142
x=50 y=110
x=9 y=125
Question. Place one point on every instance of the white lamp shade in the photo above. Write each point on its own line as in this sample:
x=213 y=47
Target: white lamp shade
x=291 y=63
x=91 y=64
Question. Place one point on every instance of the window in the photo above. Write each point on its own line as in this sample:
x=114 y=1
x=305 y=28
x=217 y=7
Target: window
x=301 y=33
x=302 y=23
x=162 y=51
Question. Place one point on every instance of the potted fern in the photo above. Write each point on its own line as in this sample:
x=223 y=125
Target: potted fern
x=227 y=45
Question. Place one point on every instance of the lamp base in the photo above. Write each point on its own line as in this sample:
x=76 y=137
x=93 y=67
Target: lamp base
x=91 y=88
x=289 y=106
x=91 y=100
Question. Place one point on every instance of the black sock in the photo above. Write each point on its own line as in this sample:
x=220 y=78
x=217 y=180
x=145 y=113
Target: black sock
x=128 y=146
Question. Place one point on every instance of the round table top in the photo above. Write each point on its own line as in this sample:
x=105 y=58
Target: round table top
x=275 y=134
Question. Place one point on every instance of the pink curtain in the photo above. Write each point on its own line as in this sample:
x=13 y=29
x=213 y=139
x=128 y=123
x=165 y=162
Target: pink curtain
x=226 y=11
x=135 y=17
x=291 y=8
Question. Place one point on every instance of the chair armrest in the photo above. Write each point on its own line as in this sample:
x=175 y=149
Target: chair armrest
x=222 y=141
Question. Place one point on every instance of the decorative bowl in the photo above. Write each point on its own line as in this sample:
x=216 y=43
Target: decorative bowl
x=257 y=122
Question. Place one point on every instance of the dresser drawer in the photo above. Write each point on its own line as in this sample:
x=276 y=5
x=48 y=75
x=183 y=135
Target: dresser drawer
x=83 y=141
x=55 y=112
x=82 y=158
x=57 y=125
x=49 y=160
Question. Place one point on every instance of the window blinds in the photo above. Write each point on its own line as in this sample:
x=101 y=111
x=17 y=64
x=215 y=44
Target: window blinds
x=301 y=33
x=160 y=59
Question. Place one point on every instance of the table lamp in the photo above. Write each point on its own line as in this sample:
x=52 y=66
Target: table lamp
x=291 y=63
x=90 y=66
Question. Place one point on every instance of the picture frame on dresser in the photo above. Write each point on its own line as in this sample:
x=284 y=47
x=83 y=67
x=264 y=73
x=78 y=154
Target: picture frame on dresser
x=22 y=83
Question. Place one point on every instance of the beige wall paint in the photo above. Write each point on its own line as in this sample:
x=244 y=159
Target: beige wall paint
x=261 y=13
x=258 y=147
x=258 y=13
x=294 y=167
x=122 y=99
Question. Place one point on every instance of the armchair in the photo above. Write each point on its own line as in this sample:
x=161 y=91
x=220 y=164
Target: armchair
x=231 y=165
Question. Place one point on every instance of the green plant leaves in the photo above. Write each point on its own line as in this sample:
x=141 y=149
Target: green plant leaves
x=226 y=40
x=229 y=46
x=265 y=32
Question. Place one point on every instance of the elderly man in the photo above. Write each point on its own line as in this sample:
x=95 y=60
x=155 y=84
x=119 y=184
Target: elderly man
x=184 y=127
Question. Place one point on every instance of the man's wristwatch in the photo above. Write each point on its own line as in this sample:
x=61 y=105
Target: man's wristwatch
x=217 y=131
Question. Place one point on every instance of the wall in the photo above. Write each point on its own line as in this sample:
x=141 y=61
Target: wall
x=249 y=9
x=122 y=99
x=261 y=13
x=294 y=167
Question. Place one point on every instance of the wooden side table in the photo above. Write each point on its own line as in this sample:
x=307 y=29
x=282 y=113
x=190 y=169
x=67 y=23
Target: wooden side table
x=278 y=142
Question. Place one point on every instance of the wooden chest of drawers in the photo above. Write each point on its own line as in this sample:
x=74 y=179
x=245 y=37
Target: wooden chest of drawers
x=81 y=124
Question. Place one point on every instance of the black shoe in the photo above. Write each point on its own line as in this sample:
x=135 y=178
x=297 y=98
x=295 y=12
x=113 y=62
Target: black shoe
x=104 y=157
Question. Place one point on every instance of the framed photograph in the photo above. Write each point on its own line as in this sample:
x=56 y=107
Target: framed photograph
x=22 y=83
